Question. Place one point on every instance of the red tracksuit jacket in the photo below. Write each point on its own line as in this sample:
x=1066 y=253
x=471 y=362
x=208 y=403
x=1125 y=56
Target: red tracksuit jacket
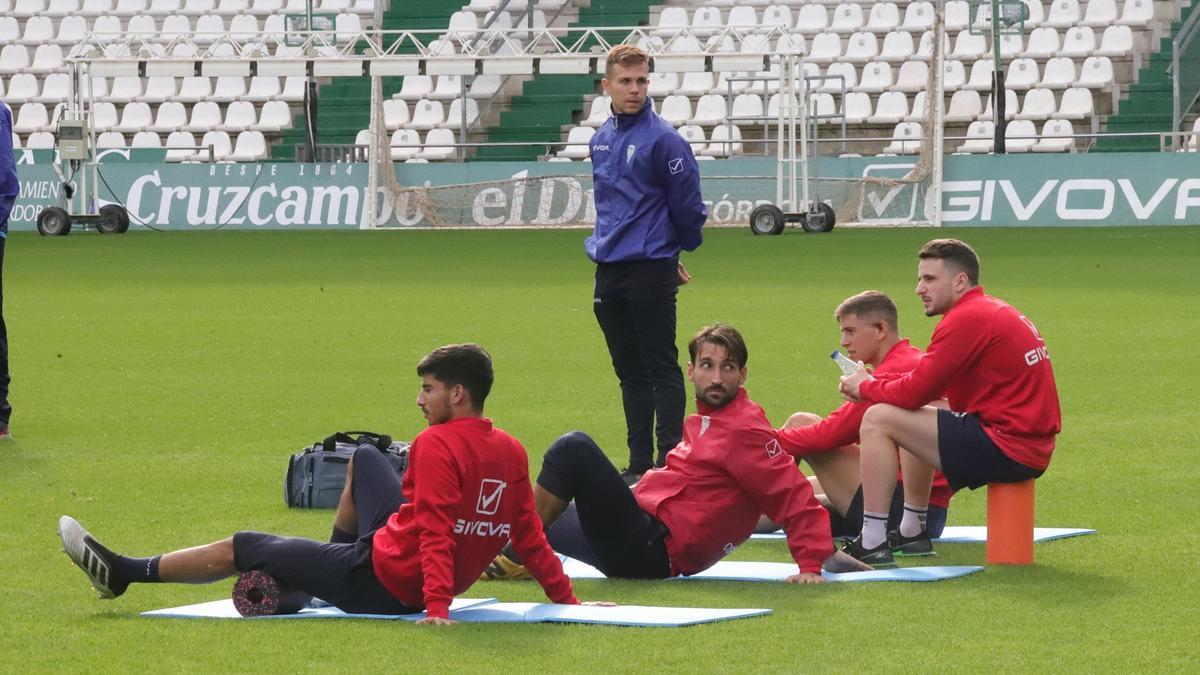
x=728 y=469
x=468 y=489
x=841 y=427
x=990 y=361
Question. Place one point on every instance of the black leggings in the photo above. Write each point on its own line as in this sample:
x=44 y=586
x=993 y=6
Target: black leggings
x=621 y=539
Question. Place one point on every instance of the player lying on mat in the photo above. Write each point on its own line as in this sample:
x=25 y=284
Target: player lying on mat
x=994 y=369
x=870 y=334
x=466 y=491
x=684 y=517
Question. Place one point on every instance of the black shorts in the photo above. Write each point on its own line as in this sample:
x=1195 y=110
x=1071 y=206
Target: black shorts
x=340 y=574
x=969 y=456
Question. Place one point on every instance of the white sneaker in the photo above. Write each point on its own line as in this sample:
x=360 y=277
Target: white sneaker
x=79 y=547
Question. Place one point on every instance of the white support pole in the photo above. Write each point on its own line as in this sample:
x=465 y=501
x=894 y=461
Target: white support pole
x=939 y=115
x=373 y=161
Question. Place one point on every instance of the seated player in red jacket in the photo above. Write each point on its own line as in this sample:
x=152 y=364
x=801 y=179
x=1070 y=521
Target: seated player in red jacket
x=396 y=548
x=870 y=334
x=705 y=501
x=992 y=365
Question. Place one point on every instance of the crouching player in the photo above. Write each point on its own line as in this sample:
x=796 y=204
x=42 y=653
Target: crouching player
x=870 y=334
x=395 y=549
x=686 y=516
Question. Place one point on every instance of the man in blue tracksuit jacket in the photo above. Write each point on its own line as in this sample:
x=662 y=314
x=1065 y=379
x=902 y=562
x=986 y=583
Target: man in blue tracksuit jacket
x=648 y=209
x=9 y=189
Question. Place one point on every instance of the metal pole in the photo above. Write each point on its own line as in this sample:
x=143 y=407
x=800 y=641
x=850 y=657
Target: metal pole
x=939 y=130
x=998 y=94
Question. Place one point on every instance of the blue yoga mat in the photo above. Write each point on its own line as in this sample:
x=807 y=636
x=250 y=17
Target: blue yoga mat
x=224 y=609
x=729 y=570
x=975 y=534
x=487 y=610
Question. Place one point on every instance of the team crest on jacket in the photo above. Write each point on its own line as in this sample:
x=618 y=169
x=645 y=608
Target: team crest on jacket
x=773 y=448
x=704 y=422
x=489 y=496
x=629 y=153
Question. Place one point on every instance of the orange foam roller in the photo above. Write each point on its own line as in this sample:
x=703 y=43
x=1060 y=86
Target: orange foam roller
x=1010 y=523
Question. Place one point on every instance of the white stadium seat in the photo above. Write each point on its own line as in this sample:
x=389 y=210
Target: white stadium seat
x=135 y=117
x=250 y=147
x=427 y=114
x=146 y=139
x=839 y=77
x=777 y=16
x=40 y=140
x=1022 y=74
x=925 y=46
x=599 y=113
x=884 y=17
x=143 y=26
x=861 y=47
x=275 y=116
x=219 y=142
x=918 y=17
x=954 y=75
x=395 y=113
x=1056 y=137
x=160 y=90
x=293 y=89
x=957 y=16
x=31 y=117
x=725 y=141
x=1137 y=13
x=124 y=89
x=1063 y=14
x=965 y=105
x=812 y=19
x=1059 y=73
x=164 y=8
x=405 y=143
x=239 y=116
x=55 y=88
x=898 y=46
x=969 y=46
x=710 y=110
x=454 y=113
x=1096 y=73
x=822 y=108
x=14 y=59
x=262 y=88
x=23 y=9
x=694 y=135
x=877 y=77
x=747 y=105
x=127 y=8
x=1117 y=42
x=38 y=30
x=23 y=87
x=10 y=29
x=1020 y=136
x=229 y=89
x=110 y=139
x=917 y=113
x=438 y=145
x=1100 y=13
x=1011 y=46
x=180 y=146
x=415 y=87
x=1011 y=106
x=675 y=109
x=847 y=18
x=60 y=8
x=175 y=25
x=206 y=116
x=577 y=143
x=906 y=139
x=980 y=137
x=981 y=75
x=662 y=84
x=890 y=108
x=1038 y=105
x=706 y=20
x=825 y=48
x=1043 y=43
x=1079 y=41
x=193 y=89
x=1076 y=104
x=93 y=8
x=104 y=116
x=914 y=76
x=170 y=117
x=742 y=16
x=856 y=107
x=243 y=26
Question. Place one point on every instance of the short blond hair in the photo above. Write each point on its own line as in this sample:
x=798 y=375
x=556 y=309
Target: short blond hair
x=626 y=56
x=870 y=306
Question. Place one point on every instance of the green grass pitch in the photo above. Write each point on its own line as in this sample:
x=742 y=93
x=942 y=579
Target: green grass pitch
x=161 y=381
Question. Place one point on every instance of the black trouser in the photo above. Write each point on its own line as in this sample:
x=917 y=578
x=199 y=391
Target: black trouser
x=5 y=406
x=340 y=574
x=635 y=306
x=624 y=541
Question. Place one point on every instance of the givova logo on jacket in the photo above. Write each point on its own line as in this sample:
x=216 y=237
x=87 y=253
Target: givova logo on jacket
x=490 y=491
x=487 y=504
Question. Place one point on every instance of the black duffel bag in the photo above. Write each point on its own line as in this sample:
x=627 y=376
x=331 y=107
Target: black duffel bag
x=317 y=474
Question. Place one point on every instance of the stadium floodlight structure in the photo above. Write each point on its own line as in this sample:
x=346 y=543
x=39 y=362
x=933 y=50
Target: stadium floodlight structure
x=522 y=51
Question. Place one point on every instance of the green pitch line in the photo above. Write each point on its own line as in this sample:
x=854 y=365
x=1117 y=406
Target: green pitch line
x=161 y=380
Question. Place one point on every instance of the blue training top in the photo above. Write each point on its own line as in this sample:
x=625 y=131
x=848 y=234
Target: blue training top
x=10 y=187
x=647 y=184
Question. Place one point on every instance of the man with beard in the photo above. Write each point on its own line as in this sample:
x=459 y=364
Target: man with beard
x=705 y=500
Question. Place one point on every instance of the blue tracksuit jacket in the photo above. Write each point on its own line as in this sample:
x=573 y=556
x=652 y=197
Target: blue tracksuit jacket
x=647 y=184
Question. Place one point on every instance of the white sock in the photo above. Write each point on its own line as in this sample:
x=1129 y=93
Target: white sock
x=913 y=522
x=874 y=530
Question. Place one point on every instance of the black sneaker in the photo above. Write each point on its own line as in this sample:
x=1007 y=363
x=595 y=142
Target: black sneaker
x=878 y=557
x=631 y=476
x=910 y=546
